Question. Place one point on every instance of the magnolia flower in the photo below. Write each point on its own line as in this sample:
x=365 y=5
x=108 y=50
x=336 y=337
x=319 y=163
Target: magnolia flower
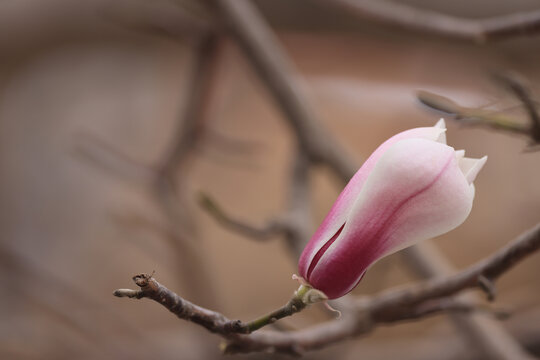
x=413 y=187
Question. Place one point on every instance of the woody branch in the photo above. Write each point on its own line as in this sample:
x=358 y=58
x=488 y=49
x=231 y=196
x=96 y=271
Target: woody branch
x=412 y=302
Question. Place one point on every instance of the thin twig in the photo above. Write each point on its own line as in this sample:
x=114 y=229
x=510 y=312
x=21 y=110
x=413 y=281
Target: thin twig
x=516 y=86
x=472 y=116
x=265 y=232
x=294 y=223
x=495 y=120
x=151 y=289
x=211 y=320
x=200 y=90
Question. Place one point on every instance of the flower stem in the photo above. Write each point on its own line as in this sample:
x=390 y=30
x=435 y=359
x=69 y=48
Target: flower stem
x=304 y=296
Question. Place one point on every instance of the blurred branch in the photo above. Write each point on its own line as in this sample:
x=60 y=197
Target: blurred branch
x=314 y=142
x=488 y=118
x=168 y=189
x=472 y=116
x=298 y=213
x=228 y=151
x=412 y=302
x=432 y=22
x=226 y=143
x=165 y=187
x=262 y=49
x=191 y=125
x=442 y=346
x=490 y=268
x=110 y=159
x=483 y=333
x=65 y=303
x=294 y=223
x=163 y=18
x=272 y=228
x=516 y=86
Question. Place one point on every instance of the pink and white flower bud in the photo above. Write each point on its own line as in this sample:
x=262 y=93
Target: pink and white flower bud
x=413 y=187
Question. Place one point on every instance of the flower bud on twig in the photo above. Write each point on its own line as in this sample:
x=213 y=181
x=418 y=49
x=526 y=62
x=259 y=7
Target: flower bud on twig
x=413 y=187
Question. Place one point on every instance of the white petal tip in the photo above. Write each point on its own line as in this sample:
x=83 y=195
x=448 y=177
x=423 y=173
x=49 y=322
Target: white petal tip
x=459 y=154
x=471 y=167
x=441 y=124
x=442 y=136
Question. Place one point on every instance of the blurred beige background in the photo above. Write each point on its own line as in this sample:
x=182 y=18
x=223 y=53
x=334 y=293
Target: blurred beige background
x=69 y=70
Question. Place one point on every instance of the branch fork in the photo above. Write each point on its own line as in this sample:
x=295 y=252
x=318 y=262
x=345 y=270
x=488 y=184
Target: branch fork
x=213 y=321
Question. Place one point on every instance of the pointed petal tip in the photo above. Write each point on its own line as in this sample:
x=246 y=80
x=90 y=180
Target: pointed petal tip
x=441 y=138
x=473 y=171
x=441 y=124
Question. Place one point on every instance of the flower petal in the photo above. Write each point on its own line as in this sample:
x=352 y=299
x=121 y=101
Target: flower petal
x=441 y=124
x=471 y=167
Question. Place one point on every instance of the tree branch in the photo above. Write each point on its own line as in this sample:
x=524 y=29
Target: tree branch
x=298 y=212
x=295 y=222
x=440 y=345
x=161 y=180
x=199 y=90
x=484 y=334
x=162 y=18
x=489 y=118
x=491 y=268
x=395 y=305
x=262 y=49
x=432 y=22
x=516 y=86
x=271 y=228
x=391 y=306
x=472 y=116
x=151 y=289
x=211 y=320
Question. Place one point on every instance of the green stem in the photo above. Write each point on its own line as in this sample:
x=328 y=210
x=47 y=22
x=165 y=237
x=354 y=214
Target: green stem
x=297 y=303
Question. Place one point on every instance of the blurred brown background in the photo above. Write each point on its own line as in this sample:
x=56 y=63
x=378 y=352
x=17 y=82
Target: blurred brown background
x=71 y=232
